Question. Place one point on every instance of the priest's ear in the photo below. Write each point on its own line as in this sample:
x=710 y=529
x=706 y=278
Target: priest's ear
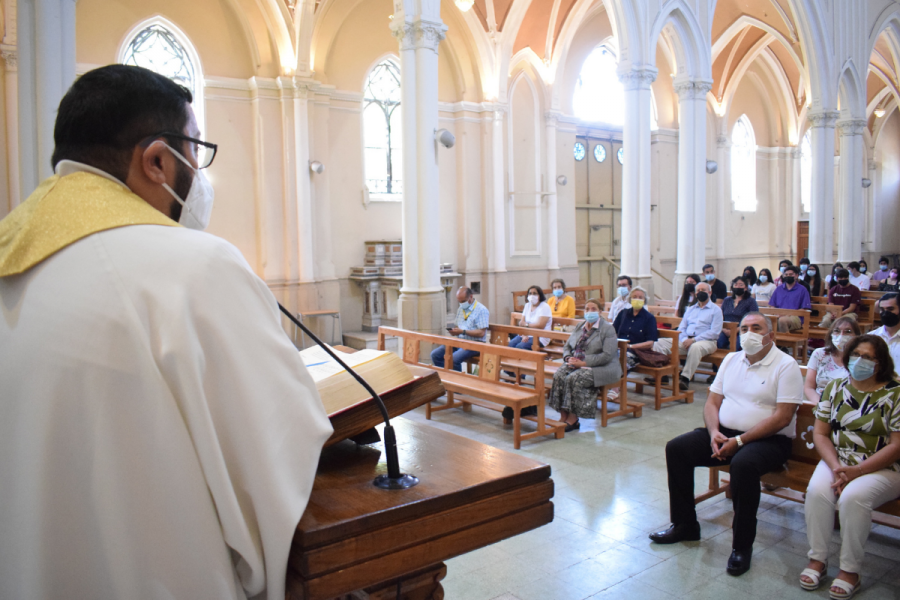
x=152 y=166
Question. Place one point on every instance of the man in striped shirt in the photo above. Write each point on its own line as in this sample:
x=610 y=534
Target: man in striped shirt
x=472 y=319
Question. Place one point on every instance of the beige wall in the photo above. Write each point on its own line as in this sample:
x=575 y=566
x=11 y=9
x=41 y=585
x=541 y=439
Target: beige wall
x=887 y=184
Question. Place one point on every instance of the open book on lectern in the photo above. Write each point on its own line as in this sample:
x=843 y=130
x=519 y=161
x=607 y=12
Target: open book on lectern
x=339 y=391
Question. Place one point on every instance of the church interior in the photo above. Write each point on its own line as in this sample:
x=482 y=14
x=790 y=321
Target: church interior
x=374 y=157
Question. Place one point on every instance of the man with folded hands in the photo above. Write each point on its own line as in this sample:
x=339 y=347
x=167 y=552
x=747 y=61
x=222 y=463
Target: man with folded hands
x=750 y=422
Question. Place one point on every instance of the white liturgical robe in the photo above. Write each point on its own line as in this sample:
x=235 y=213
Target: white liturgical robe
x=159 y=434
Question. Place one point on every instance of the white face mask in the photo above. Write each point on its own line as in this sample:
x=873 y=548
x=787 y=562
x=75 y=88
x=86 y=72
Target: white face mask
x=752 y=343
x=840 y=340
x=196 y=209
x=533 y=299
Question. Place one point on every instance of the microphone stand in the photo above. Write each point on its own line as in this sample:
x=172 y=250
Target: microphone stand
x=394 y=479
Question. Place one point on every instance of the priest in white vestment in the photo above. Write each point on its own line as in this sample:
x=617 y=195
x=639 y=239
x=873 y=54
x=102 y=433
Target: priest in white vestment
x=159 y=434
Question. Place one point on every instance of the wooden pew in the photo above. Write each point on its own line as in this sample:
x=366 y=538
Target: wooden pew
x=797 y=341
x=790 y=483
x=554 y=348
x=815 y=320
x=500 y=335
x=672 y=371
x=485 y=389
x=716 y=357
x=662 y=310
x=866 y=312
x=581 y=294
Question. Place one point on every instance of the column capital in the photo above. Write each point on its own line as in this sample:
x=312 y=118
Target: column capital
x=722 y=141
x=870 y=163
x=552 y=118
x=11 y=56
x=822 y=118
x=638 y=78
x=692 y=89
x=796 y=153
x=419 y=33
x=852 y=126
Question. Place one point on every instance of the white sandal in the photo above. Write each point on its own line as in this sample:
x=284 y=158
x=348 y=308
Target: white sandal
x=849 y=590
x=816 y=577
x=612 y=395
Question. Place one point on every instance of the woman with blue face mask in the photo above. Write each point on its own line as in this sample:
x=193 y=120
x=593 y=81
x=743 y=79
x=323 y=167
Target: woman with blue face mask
x=591 y=361
x=561 y=305
x=857 y=437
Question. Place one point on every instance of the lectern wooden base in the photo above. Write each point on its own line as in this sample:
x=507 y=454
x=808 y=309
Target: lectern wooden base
x=357 y=541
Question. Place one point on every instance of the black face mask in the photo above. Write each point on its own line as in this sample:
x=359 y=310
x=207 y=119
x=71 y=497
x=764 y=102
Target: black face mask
x=890 y=319
x=788 y=279
x=738 y=291
x=689 y=288
x=843 y=282
x=702 y=296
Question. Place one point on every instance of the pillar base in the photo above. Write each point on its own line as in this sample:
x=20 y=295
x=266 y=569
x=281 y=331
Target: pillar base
x=422 y=311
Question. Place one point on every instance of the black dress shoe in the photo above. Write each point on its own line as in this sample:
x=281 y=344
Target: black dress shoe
x=508 y=413
x=528 y=411
x=652 y=380
x=573 y=426
x=739 y=562
x=683 y=384
x=677 y=533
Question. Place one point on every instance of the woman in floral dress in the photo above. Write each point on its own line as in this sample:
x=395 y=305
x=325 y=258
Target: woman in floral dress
x=857 y=436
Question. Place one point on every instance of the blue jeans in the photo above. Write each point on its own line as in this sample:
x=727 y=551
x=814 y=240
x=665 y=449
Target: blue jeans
x=523 y=343
x=459 y=357
x=724 y=342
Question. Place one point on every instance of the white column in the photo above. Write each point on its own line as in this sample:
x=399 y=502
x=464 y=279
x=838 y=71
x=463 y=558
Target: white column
x=796 y=198
x=850 y=224
x=723 y=173
x=320 y=151
x=691 y=244
x=550 y=188
x=422 y=303
x=821 y=214
x=636 y=178
x=497 y=258
x=9 y=54
x=305 y=238
x=869 y=241
x=46 y=69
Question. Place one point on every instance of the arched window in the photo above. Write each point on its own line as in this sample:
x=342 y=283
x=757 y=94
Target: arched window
x=599 y=95
x=806 y=172
x=158 y=45
x=382 y=130
x=743 y=166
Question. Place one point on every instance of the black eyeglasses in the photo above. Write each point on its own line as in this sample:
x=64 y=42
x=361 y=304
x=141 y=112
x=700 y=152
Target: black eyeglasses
x=204 y=152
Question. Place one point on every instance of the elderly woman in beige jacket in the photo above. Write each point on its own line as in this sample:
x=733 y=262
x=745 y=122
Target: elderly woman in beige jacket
x=590 y=357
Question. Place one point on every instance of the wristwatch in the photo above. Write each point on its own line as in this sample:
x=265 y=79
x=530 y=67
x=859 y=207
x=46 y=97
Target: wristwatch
x=740 y=443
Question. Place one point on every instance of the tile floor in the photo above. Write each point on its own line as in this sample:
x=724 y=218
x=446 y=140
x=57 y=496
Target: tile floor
x=610 y=492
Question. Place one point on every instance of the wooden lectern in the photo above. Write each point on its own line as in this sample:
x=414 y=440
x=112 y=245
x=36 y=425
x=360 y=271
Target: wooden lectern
x=356 y=541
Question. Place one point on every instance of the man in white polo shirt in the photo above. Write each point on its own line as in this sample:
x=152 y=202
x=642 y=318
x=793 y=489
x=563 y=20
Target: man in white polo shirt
x=750 y=421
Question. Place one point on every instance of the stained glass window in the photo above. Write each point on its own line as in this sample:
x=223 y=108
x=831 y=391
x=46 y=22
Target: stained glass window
x=579 y=151
x=743 y=166
x=382 y=129
x=806 y=172
x=156 y=48
x=621 y=156
x=599 y=153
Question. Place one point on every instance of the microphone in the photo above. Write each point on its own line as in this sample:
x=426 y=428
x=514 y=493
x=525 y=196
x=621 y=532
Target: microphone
x=394 y=479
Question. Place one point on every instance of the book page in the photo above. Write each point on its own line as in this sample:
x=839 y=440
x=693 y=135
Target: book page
x=322 y=366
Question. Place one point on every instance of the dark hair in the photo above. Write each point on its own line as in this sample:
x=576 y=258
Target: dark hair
x=862 y=262
x=768 y=274
x=683 y=303
x=854 y=265
x=756 y=313
x=708 y=266
x=793 y=269
x=560 y=282
x=786 y=263
x=108 y=111
x=884 y=259
x=595 y=302
x=830 y=348
x=885 y=370
x=804 y=261
x=626 y=277
x=740 y=278
x=539 y=291
x=753 y=278
x=889 y=296
x=815 y=283
x=841 y=273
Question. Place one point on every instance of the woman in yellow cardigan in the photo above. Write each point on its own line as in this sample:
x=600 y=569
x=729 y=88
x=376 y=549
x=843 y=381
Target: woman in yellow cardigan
x=561 y=304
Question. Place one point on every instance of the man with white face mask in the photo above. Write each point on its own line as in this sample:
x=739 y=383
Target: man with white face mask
x=750 y=421
x=159 y=434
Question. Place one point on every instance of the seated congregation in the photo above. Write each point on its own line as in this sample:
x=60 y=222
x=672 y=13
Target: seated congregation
x=779 y=354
